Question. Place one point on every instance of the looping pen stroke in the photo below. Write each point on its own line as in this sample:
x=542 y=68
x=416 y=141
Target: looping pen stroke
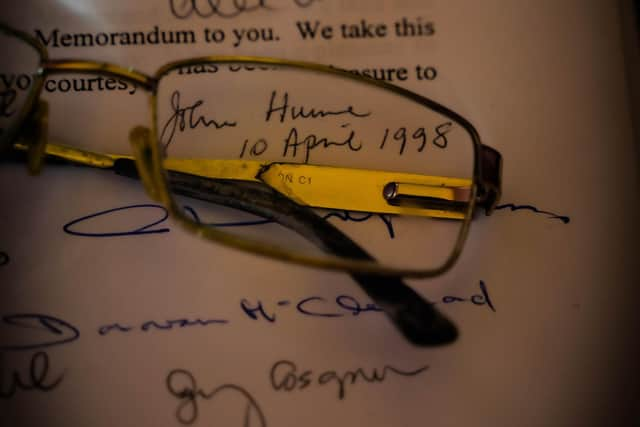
x=513 y=207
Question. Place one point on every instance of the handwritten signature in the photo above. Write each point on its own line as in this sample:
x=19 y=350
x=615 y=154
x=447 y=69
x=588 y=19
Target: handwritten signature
x=37 y=378
x=183 y=386
x=49 y=331
x=40 y=331
x=183 y=9
x=343 y=305
x=312 y=141
x=161 y=325
x=309 y=306
x=159 y=214
x=513 y=207
x=147 y=228
x=285 y=376
x=286 y=111
x=187 y=117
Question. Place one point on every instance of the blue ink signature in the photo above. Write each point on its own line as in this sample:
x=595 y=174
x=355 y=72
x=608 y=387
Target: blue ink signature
x=165 y=325
x=161 y=215
x=59 y=331
x=343 y=305
x=253 y=312
x=145 y=229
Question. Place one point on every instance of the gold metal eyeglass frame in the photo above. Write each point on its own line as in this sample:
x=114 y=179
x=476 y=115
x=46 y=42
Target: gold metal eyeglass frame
x=28 y=133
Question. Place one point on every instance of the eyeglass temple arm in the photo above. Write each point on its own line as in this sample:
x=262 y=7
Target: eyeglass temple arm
x=416 y=318
x=444 y=197
x=407 y=194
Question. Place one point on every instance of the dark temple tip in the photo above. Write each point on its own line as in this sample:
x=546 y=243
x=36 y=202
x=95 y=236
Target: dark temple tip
x=126 y=167
x=418 y=320
x=424 y=326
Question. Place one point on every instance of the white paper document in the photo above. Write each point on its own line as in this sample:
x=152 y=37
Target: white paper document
x=112 y=315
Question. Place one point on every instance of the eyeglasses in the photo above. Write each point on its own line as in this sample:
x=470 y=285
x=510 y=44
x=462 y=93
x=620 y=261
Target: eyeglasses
x=262 y=141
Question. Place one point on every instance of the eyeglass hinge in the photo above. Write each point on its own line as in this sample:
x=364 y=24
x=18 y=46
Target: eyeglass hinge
x=490 y=186
x=427 y=196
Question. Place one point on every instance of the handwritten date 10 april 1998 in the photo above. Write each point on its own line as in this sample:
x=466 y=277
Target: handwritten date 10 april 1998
x=281 y=109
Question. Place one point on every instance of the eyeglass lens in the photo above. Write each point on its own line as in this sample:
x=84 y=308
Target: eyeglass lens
x=330 y=126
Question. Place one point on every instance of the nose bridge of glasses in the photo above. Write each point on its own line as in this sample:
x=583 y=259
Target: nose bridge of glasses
x=140 y=139
x=491 y=182
x=34 y=138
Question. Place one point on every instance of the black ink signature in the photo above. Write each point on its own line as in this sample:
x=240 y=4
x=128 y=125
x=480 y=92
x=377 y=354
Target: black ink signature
x=183 y=9
x=56 y=331
x=182 y=385
x=37 y=378
x=285 y=111
x=482 y=298
x=184 y=117
x=284 y=376
x=312 y=141
x=551 y=215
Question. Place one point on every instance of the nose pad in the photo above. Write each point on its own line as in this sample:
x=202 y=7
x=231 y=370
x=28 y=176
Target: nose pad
x=140 y=139
x=36 y=138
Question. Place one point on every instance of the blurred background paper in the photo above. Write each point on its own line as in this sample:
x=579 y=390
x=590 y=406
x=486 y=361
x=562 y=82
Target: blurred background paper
x=132 y=320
